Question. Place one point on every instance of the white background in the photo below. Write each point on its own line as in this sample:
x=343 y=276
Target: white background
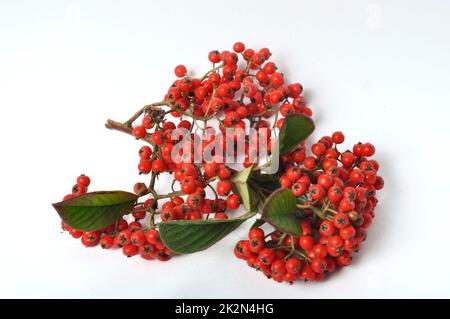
x=378 y=70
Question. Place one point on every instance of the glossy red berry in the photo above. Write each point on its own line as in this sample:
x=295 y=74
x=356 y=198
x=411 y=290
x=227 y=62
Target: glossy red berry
x=306 y=242
x=368 y=150
x=152 y=236
x=256 y=232
x=180 y=70
x=319 y=265
x=130 y=250
x=340 y=220
x=266 y=256
x=327 y=228
x=139 y=132
x=138 y=238
x=239 y=47
x=293 y=265
x=83 y=180
x=338 y=137
x=107 y=242
x=214 y=56
x=233 y=201
x=223 y=188
x=278 y=267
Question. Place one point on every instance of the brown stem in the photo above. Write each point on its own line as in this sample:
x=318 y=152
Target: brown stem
x=123 y=127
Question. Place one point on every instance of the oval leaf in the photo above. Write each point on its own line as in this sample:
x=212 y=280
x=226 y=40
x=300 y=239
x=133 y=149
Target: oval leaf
x=190 y=236
x=96 y=210
x=296 y=128
x=279 y=210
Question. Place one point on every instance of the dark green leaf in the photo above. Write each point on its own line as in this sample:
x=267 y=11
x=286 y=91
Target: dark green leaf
x=300 y=214
x=296 y=128
x=280 y=209
x=96 y=210
x=258 y=223
x=190 y=236
x=265 y=182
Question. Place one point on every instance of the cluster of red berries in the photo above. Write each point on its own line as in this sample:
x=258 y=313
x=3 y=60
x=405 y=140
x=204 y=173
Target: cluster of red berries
x=131 y=237
x=244 y=92
x=336 y=193
x=239 y=97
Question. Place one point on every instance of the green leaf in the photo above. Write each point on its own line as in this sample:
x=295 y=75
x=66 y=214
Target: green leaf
x=242 y=188
x=279 y=210
x=258 y=223
x=190 y=236
x=96 y=210
x=243 y=176
x=265 y=182
x=296 y=128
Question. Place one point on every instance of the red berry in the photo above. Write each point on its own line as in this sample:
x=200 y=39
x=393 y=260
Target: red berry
x=307 y=273
x=276 y=79
x=344 y=259
x=299 y=188
x=214 y=56
x=106 y=242
x=316 y=192
x=293 y=173
x=83 y=180
x=325 y=181
x=152 y=236
x=90 y=238
x=233 y=201
x=180 y=70
x=256 y=244
x=285 y=181
x=266 y=256
x=319 y=265
x=145 y=152
x=320 y=251
x=223 y=188
x=335 y=241
x=139 y=132
x=309 y=163
x=157 y=138
x=306 y=242
x=293 y=265
x=278 y=267
x=347 y=232
x=221 y=216
x=256 y=232
x=338 y=137
x=326 y=228
x=130 y=250
x=76 y=233
x=239 y=47
x=318 y=149
x=358 y=149
x=347 y=158
x=224 y=173
x=356 y=176
x=138 y=238
x=368 y=150
x=158 y=165
x=340 y=220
